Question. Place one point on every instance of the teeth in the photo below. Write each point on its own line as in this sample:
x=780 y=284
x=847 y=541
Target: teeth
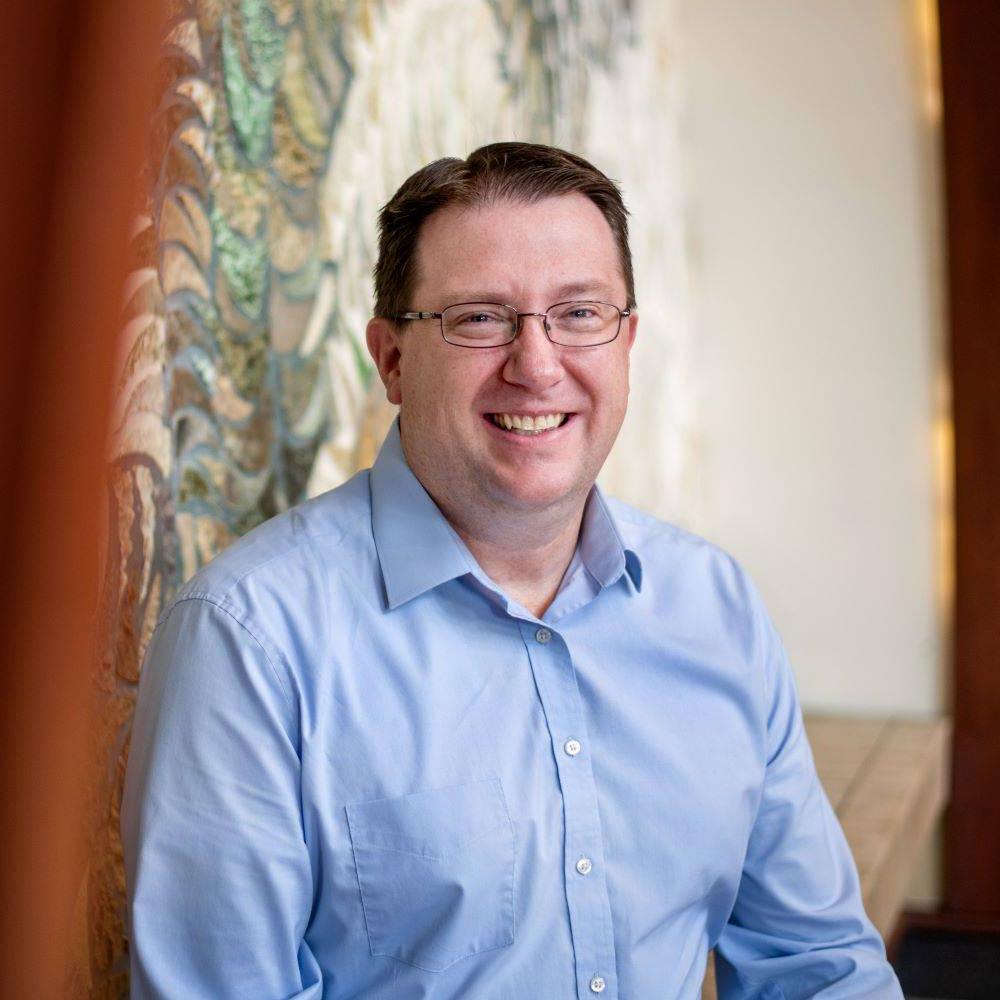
x=528 y=424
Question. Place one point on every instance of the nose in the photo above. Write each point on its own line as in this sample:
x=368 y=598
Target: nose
x=534 y=362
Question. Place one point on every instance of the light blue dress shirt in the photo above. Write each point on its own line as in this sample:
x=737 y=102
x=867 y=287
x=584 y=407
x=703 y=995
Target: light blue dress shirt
x=359 y=770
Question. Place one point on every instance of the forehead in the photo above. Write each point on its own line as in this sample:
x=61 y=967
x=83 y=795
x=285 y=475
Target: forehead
x=518 y=246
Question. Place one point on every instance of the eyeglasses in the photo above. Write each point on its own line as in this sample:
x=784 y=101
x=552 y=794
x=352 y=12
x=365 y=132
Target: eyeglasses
x=492 y=324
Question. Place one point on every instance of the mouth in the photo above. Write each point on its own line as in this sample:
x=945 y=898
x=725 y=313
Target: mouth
x=528 y=425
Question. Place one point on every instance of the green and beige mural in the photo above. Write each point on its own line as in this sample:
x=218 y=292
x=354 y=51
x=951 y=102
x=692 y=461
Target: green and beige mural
x=243 y=381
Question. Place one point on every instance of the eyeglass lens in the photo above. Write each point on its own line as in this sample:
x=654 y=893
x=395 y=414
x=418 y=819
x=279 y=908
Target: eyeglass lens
x=490 y=324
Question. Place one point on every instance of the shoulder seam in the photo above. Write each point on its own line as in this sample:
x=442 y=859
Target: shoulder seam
x=301 y=539
x=224 y=606
x=299 y=544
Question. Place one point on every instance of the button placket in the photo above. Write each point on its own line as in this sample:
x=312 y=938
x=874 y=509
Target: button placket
x=584 y=882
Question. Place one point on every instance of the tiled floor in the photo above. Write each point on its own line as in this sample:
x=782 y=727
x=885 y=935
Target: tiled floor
x=937 y=966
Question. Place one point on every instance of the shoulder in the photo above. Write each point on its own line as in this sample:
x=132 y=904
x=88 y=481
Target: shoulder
x=699 y=592
x=286 y=562
x=690 y=580
x=667 y=549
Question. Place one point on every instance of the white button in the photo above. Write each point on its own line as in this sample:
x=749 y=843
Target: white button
x=543 y=635
x=597 y=984
x=584 y=865
x=572 y=747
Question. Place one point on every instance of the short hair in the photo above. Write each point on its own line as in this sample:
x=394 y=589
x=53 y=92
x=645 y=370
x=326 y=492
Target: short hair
x=514 y=171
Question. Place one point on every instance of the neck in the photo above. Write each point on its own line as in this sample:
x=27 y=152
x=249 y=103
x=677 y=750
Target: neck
x=525 y=551
x=527 y=562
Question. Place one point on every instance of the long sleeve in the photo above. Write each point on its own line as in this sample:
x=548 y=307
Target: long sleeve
x=219 y=879
x=798 y=928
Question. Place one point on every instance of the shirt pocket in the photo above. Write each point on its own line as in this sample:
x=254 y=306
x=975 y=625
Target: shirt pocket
x=436 y=872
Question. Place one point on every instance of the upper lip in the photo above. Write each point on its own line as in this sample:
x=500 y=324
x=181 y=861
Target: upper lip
x=530 y=413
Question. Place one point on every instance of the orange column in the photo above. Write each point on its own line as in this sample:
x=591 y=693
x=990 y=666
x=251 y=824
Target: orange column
x=76 y=89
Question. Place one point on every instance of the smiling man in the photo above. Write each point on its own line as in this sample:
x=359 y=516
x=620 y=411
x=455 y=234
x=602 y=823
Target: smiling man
x=509 y=413
x=466 y=727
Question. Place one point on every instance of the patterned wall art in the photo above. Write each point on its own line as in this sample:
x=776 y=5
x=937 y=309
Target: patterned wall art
x=243 y=382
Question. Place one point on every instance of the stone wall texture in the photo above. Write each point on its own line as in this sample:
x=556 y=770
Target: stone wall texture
x=243 y=382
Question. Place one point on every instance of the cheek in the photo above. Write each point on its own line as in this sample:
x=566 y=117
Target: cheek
x=608 y=387
x=439 y=386
x=622 y=385
x=417 y=378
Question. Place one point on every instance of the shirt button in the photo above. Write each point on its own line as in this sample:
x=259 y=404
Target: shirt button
x=597 y=984
x=572 y=747
x=584 y=865
x=543 y=635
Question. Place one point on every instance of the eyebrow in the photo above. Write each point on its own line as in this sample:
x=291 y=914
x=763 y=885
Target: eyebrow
x=564 y=293
x=584 y=288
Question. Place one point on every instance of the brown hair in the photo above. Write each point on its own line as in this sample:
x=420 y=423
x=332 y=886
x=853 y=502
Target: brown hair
x=516 y=171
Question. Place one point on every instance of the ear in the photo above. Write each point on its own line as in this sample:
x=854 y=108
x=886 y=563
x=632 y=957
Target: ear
x=633 y=326
x=383 y=345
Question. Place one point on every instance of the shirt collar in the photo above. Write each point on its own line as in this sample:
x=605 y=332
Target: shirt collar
x=601 y=546
x=419 y=550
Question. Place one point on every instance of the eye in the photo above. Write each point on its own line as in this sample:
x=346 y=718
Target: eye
x=576 y=312
x=476 y=323
x=476 y=317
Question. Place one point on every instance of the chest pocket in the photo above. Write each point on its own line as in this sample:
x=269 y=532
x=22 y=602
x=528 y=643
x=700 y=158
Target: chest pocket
x=436 y=872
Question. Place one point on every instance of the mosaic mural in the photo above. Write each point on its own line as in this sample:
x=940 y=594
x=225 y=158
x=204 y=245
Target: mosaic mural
x=243 y=383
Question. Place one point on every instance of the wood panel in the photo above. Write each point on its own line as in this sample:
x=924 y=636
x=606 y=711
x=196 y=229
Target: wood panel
x=970 y=76
x=889 y=811
x=841 y=748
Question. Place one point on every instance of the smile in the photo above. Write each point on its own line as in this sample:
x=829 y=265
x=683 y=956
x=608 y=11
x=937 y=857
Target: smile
x=528 y=425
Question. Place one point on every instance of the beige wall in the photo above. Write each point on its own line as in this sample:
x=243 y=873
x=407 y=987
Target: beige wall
x=812 y=211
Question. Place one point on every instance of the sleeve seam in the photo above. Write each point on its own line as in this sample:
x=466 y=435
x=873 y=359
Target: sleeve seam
x=224 y=606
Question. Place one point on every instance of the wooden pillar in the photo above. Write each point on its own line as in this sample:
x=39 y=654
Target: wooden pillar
x=970 y=70
x=75 y=98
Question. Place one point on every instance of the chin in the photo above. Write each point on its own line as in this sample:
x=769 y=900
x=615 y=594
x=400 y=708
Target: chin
x=535 y=495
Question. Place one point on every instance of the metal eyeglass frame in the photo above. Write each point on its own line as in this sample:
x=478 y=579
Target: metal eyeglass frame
x=518 y=316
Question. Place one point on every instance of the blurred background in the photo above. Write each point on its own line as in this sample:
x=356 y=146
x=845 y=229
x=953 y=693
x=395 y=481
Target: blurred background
x=189 y=200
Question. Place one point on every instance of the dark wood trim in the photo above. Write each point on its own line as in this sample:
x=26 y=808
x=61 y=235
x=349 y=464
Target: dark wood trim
x=894 y=941
x=970 y=77
x=948 y=922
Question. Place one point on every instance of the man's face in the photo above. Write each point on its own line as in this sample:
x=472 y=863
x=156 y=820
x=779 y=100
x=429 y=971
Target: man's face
x=531 y=256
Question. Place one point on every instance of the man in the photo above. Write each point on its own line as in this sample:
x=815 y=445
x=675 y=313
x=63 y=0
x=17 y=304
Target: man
x=465 y=727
